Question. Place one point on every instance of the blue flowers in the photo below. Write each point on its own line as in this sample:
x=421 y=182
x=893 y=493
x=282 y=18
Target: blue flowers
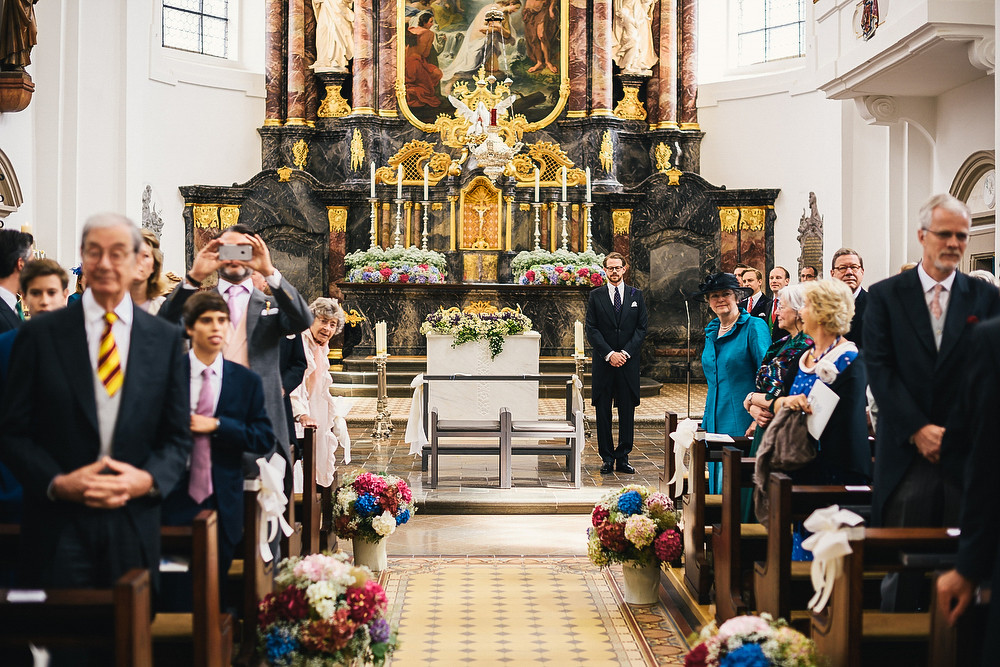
x=366 y=505
x=748 y=655
x=630 y=503
x=379 y=630
x=402 y=517
x=280 y=643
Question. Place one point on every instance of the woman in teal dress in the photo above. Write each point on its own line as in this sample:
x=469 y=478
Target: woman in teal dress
x=735 y=344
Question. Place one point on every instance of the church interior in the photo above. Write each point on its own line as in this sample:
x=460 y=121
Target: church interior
x=485 y=158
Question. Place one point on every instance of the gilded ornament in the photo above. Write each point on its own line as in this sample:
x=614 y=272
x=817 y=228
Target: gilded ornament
x=284 y=174
x=663 y=154
x=354 y=318
x=606 y=155
x=480 y=215
x=206 y=216
x=357 y=150
x=729 y=219
x=490 y=268
x=480 y=308
x=752 y=218
x=413 y=155
x=228 y=216
x=630 y=108
x=437 y=206
x=333 y=105
x=300 y=153
x=621 y=221
x=549 y=158
x=337 y=215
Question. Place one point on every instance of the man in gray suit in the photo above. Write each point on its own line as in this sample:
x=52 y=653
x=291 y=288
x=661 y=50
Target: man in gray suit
x=259 y=321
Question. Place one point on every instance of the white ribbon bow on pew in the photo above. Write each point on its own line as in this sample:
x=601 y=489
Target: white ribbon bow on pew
x=272 y=501
x=577 y=394
x=683 y=438
x=831 y=528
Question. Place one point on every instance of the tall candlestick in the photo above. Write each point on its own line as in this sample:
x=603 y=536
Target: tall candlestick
x=380 y=338
x=426 y=176
x=399 y=182
x=373 y=180
x=588 y=184
x=578 y=336
x=536 y=185
x=564 y=184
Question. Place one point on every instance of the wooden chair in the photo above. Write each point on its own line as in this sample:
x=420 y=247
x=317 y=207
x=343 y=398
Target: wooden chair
x=117 y=618
x=307 y=504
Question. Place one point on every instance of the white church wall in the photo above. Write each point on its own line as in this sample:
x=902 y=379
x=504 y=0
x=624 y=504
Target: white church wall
x=965 y=125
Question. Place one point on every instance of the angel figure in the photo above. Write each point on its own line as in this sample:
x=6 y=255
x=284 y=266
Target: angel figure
x=632 y=36
x=334 y=34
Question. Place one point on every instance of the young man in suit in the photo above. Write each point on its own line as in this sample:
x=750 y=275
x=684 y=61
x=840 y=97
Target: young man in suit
x=757 y=304
x=15 y=252
x=917 y=331
x=777 y=279
x=849 y=268
x=616 y=328
x=95 y=470
x=228 y=420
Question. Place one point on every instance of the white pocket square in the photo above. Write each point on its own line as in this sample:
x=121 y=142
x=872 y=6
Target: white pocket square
x=268 y=311
x=635 y=305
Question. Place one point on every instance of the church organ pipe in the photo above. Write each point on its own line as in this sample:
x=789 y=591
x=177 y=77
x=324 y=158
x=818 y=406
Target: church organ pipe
x=363 y=88
x=296 y=93
x=602 y=85
x=274 y=70
x=667 y=84
x=688 y=111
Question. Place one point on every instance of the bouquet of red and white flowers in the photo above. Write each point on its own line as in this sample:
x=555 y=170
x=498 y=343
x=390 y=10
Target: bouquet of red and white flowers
x=371 y=505
x=634 y=524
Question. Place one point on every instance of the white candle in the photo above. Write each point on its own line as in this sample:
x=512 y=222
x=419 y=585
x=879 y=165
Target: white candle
x=564 y=184
x=380 y=338
x=25 y=228
x=588 y=185
x=373 y=180
x=426 y=176
x=536 y=185
x=578 y=337
x=399 y=182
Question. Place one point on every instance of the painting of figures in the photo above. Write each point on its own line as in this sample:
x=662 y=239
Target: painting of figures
x=447 y=41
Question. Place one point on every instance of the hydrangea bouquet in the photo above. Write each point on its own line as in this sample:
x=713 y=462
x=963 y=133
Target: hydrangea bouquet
x=634 y=524
x=489 y=325
x=395 y=265
x=325 y=611
x=371 y=505
x=541 y=267
x=757 y=641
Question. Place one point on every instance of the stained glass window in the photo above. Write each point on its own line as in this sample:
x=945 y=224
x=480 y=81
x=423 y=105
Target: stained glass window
x=201 y=26
x=770 y=30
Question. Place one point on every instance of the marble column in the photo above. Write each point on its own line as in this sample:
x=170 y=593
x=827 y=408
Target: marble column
x=387 y=59
x=602 y=84
x=576 y=105
x=274 y=65
x=295 y=112
x=688 y=112
x=363 y=93
x=667 y=88
x=309 y=53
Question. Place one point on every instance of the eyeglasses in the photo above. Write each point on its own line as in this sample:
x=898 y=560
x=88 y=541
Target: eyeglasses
x=94 y=254
x=961 y=237
x=849 y=267
x=614 y=268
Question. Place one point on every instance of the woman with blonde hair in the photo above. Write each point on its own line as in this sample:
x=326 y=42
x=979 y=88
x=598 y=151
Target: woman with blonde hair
x=147 y=291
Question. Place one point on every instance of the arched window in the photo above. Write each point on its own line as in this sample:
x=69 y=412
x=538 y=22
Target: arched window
x=10 y=189
x=769 y=30
x=200 y=26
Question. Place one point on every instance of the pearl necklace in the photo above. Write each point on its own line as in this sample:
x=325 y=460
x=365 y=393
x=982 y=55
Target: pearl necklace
x=723 y=330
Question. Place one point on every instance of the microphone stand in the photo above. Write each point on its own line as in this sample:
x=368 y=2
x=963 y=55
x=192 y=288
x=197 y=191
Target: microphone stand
x=687 y=312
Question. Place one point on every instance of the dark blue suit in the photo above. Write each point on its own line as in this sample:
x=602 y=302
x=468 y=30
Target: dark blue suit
x=11 y=493
x=9 y=319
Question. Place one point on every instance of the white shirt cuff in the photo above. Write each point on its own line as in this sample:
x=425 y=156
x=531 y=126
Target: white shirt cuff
x=608 y=357
x=273 y=280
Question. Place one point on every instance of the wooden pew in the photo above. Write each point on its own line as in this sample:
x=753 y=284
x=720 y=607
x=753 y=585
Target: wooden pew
x=962 y=644
x=251 y=574
x=307 y=503
x=789 y=504
x=117 y=618
x=734 y=544
x=670 y=420
x=841 y=629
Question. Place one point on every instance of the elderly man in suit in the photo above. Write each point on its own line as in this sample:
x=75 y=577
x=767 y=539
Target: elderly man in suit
x=258 y=322
x=616 y=328
x=848 y=267
x=917 y=329
x=94 y=423
x=15 y=251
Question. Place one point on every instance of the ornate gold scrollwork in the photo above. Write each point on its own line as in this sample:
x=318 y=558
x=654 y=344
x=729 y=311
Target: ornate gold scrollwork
x=228 y=216
x=621 y=221
x=662 y=154
x=337 y=216
x=333 y=105
x=480 y=215
x=284 y=174
x=607 y=153
x=729 y=219
x=550 y=159
x=752 y=218
x=357 y=150
x=413 y=156
x=206 y=216
x=300 y=154
x=353 y=318
x=630 y=108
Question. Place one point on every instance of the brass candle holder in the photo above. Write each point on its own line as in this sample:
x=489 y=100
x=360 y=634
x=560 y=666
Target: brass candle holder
x=383 y=418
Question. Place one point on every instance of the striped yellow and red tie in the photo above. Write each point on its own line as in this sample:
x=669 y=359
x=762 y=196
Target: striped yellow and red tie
x=109 y=366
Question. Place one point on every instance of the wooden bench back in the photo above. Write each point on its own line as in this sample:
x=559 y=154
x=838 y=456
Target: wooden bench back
x=670 y=420
x=310 y=496
x=727 y=543
x=258 y=576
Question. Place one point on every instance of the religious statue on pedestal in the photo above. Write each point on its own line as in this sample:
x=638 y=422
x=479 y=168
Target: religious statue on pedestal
x=334 y=34
x=17 y=34
x=632 y=36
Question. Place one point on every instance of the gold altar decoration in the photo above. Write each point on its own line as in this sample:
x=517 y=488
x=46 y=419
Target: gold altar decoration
x=357 y=150
x=413 y=155
x=749 y=218
x=333 y=105
x=729 y=219
x=353 y=318
x=480 y=221
x=480 y=308
x=629 y=107
x=607 y=154
x=662 y=152
x=621 y=221
x=228 y=216
x=337 y=216
x=550 y=159
x=206 y=216
x=284 y=174
x=300 y=153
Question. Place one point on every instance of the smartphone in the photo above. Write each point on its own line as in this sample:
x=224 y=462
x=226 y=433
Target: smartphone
x=235 y=251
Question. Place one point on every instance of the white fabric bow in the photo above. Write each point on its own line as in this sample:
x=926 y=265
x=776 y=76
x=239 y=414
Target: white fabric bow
x=831 y=529
x=683 y=438
x=577 y=394
x=272 y=501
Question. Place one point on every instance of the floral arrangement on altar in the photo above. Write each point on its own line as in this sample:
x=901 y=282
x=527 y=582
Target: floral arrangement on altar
x=634 y=524
x=540 y=267
x=477 y=322
x=370 y=506
x=751 y=641
x=325 y=611
x=396 y=265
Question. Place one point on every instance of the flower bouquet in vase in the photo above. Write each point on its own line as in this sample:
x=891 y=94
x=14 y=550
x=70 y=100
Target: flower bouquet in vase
x=324 y=611
x=751 y=640
x=367 y=508
x=635 y=526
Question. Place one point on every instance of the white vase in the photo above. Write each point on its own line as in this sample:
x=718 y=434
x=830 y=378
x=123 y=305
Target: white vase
x=370 y=555
x=642 y=583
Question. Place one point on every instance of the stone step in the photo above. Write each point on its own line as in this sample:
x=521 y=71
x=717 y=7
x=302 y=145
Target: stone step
x=418 y=364
x=355 y=387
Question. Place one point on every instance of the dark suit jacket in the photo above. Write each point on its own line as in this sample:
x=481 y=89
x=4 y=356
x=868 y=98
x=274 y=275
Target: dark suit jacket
x=243 y=428
x=856 y=333
x=609 y=332
x=48 y=424
x=8 y=317
x=913 y=383
x=762 y=308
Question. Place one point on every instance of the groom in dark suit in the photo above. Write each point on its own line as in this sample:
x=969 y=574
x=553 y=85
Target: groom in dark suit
x=616 y=327
x=917 y=331
x=94 y=423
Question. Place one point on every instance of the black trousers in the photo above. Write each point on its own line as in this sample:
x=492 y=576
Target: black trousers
x=619 y=393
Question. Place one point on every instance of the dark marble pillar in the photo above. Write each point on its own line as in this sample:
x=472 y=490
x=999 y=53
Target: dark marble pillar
x=577 y=103
x=667 y=86
x=387 y=59
x=309 y=53
x=363 y=89
x=689 y=65
x=296 y=89
x=602 y=84
x=274 y=64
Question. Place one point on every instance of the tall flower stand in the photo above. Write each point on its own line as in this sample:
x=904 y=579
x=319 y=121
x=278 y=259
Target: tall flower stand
x=370 y=555
x=642 y=583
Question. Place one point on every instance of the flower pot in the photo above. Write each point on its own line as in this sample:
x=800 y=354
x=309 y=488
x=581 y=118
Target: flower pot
x=370 y=555
x=642 y=583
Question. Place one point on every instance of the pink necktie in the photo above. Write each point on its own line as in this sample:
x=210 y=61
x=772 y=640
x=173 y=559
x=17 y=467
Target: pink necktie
x=232 y=300
x=200 y=486
x=774 y=312
x=936 y=301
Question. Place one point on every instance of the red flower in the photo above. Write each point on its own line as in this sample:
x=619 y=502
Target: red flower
x=697 y=656
x=366 y=601
x=596 y=280
x=559 y=269
x=404 y=277
x=599 y=515
x=582 y=271
x=329 y=636
x=385 y=271
x=404 y=491
x=530 y=275
x=366 y=482
x=389 y=500
x=668 y=546
x=288 y=605
x=612 y=536
x=972 y=319
x=565 y=275
x=342 y=526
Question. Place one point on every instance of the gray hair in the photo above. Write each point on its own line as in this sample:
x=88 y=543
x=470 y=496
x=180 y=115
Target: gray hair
x=329 y=309
x=105 y=220
x=985 y=276
x=948 y=203
x=793 y=296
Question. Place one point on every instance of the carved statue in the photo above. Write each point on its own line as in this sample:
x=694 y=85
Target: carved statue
x=334 y=34
x=18 y=34
x=633 y=49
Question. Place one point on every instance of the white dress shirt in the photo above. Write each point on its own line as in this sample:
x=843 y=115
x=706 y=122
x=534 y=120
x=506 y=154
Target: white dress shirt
x=9 y=297
x=197 y=368
x=93 y=319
